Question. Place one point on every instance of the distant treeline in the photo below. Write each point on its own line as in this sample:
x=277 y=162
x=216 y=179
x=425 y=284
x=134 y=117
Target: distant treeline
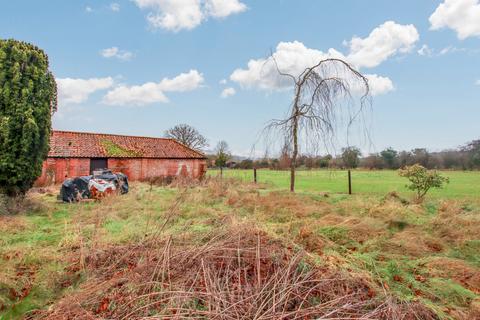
x=466 y=157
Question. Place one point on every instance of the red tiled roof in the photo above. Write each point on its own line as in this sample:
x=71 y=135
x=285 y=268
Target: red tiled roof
x=66 y=144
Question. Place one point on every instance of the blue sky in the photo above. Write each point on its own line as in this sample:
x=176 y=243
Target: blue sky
x=141 y=66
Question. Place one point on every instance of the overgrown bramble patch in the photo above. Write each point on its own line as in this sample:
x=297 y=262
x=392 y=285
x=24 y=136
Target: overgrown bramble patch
x=236 y=272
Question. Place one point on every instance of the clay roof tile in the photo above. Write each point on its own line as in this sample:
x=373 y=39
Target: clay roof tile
x=67 y=144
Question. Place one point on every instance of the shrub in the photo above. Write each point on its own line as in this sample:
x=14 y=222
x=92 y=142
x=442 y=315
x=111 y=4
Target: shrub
x=422 y=180
x=27 y=100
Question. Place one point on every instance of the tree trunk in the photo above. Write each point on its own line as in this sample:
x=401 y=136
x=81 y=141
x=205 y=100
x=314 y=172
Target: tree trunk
x=292 y=178
x=293 y=165
x=295 y=119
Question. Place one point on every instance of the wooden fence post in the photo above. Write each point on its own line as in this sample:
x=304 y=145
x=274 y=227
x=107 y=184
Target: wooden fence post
x=349 y=182
x=255 y=175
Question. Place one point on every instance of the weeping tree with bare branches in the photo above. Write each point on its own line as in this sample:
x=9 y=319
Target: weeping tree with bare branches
x=323 y=95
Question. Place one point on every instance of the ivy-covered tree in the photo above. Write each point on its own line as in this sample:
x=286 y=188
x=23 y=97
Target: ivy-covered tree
x=28 y=98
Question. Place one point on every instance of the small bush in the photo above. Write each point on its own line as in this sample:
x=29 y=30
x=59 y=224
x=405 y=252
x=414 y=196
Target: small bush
x=422 y=180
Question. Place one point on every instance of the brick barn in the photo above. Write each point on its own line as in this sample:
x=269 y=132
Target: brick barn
x=75 y=154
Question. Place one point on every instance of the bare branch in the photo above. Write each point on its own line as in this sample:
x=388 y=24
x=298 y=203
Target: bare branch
x=281 y=72
x=323 y=93
x=188 y=136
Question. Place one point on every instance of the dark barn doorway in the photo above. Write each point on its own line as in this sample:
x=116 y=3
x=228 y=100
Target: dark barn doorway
x=99 y=163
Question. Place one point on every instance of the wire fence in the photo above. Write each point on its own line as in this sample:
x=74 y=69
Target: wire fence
x=463 y=184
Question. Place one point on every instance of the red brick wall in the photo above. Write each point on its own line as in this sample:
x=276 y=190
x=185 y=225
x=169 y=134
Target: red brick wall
x=142 y=169
x=56 y=170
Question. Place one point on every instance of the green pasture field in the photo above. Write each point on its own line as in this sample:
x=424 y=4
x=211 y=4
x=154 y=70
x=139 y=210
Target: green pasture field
x=463 y=184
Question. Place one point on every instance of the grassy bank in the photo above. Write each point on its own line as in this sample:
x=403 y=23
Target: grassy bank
x=463 y=184
x=141 y=252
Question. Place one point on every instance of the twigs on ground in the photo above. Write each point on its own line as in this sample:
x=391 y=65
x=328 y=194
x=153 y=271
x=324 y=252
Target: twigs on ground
x=237 y=273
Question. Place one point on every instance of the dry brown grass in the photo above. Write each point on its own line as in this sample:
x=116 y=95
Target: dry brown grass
x=457 y=270
x=298 y=206
x=364 y=229
x=310 y=240
x=12 y=224
x=389 y=209
x=413 y=242
x=237 y=273
x=454 y=225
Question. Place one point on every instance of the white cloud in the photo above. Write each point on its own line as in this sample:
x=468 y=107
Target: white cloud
x=88 y=9
x=425 y=50
x=383 y=42
x=451 y=49
x=175 y=15
x=291 y=57
x=477 y=82
x=78 y=90
x=115 y=7
x=135 y=95
x=294 y=57
x=228 y=92
x=183 y=82
x=445 y=50
x=115 y=52
x=223 y=8
x=152 y=92
x=463 y=16
x=379 y=85
x=223 y=81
